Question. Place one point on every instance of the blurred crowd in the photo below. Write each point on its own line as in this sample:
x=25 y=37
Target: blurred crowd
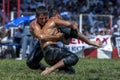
x=70 y=10
x=73 y=8
x=17 y=46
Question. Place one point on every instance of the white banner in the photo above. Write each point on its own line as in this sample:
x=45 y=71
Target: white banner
x=77 y=45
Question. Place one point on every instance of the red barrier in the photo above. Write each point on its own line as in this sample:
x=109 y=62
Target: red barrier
x=115 y=53
x=90 y=52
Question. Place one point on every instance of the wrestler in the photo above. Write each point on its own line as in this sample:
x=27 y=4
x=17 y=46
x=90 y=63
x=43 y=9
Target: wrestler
x=55 y=56
x=36 y=55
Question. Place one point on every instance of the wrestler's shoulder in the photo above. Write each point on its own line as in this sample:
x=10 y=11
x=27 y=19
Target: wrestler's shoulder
x=32 y=23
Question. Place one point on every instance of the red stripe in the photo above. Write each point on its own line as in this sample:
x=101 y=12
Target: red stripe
x=90 y=52
x=115 y=53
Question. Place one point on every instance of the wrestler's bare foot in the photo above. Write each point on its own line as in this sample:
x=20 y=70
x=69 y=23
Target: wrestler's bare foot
x=47 y=71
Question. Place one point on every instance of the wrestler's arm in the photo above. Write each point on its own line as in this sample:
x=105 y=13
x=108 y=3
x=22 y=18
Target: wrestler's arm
x=51 y=37
x=66 y=23
x=36 y=32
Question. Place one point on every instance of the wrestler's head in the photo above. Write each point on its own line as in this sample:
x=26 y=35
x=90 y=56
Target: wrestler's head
x=55 y=13
x=42 y=15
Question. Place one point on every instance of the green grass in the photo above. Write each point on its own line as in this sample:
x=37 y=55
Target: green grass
x=86 y=69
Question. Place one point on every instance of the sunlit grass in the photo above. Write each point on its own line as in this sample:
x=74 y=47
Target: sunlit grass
x=86 y=69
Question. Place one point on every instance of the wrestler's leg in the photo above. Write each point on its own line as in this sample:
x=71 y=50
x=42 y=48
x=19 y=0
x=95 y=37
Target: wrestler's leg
x=59 y=64
x=53 y=68
x=66 y=31
x=69 y=33
x=34 y=58
x=61 y=58
x=86 y=40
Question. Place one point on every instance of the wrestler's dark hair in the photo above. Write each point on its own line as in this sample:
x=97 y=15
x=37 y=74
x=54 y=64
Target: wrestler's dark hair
x=54 y=11
x=41 y=10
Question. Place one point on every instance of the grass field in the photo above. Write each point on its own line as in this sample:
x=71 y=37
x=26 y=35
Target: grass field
x=86 y=69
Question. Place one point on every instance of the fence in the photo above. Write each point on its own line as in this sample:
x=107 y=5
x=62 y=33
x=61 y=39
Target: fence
x=92 y=22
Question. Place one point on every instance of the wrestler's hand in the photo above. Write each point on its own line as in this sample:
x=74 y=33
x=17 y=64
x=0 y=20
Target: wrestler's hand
x=75 y=25
x=96 y=43
x=59 y=35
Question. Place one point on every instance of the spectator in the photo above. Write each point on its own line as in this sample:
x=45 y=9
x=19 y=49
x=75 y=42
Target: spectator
x=98 y=9
x=18 y=39
x=40 y=3
x=94 y=29
x=116 y=28
x=116 y=31
x=103 y=32
x=7 y=48
x=27 y=42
